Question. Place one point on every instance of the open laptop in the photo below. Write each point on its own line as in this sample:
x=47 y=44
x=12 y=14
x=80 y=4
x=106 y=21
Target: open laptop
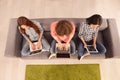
x=36 y=50
x=63 y=53
x=91 y=49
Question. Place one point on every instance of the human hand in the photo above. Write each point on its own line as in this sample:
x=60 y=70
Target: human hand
x=66 y=46
x=60 y=46
x=85 y=45
x=94 y=46
x=39 y=46
x=32 y=46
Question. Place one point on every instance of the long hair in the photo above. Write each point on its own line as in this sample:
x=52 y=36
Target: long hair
x=25 y=21
x=95 y=19
x=63 y=27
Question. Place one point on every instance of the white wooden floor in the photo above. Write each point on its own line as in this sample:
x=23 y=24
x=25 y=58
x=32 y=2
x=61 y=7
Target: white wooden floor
x=14 y=68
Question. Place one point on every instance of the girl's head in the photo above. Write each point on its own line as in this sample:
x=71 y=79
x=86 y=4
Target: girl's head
x=95 y=19
x=63 y=27
x=25 y=22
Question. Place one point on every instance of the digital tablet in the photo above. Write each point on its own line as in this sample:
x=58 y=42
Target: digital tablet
x=63 y=49
x=36 y=50
x=91 y=49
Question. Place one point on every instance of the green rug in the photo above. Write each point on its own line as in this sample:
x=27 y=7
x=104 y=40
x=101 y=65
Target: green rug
x=63 y=72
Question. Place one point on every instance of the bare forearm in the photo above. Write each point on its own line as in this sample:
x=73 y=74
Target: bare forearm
x=28 y=40
x=94 y=40
x=57 y=39
x=69 y=39
x=40 y=38
x=82 y=39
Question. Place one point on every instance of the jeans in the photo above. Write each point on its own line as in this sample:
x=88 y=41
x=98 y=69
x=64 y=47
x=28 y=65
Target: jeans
x=53 y=47
x=82 y=50
x=26 y=49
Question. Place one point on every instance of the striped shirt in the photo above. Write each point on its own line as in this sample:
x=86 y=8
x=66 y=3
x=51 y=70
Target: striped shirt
x=87 y=32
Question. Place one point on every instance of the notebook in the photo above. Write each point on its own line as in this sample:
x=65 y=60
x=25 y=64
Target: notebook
x=91 y=49
x=63 y=53
x=36 y=50
x=63 y=50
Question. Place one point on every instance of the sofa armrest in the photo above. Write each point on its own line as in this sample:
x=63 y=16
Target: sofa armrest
x=111 y=37
x=14 y=40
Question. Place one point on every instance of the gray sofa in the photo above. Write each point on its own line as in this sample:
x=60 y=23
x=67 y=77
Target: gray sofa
x=108 y=35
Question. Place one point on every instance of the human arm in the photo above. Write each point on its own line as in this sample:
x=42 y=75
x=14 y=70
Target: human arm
x=81 y=33
x=39 y=45
x=94 y=41
x=53 y=32
x=83 y=41
x=72 y=33
x=95 y=37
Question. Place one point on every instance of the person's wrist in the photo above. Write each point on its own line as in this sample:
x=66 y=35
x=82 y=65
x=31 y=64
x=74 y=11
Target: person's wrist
x=84 y=43
x=59 y=42
x=30 y=43
x=94 y=43
x=67 y=42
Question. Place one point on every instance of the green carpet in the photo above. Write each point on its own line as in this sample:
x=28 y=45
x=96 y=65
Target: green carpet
x=63 y=72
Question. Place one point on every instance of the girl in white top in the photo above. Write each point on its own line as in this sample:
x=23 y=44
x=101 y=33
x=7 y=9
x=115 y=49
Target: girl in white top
x=32 y=31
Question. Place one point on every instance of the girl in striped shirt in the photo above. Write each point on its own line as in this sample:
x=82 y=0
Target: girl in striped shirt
x=88 y=35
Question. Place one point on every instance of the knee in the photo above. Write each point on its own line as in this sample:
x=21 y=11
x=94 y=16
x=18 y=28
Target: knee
x=103 y=51
x=23 y=54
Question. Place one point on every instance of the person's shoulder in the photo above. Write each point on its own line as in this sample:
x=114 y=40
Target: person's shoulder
x=97 y=28
x=54 y=23
x=35 y=22
x=72 y=22
x=84 y=23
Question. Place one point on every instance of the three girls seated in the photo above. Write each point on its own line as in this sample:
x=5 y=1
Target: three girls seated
x=62 y=32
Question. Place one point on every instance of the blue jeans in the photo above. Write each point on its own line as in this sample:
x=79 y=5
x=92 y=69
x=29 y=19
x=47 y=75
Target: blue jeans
x=53 y=47
x=26 y=49
x=82 y=50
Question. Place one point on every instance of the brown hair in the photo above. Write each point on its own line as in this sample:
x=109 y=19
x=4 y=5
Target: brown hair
x=25 y=21
x=63 y=27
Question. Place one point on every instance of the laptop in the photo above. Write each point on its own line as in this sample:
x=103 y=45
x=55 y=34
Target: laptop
x=36 y=50
x=63 y=53
x=91 y=49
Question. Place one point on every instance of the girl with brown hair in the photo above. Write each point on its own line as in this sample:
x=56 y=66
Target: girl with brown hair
x=32 y=31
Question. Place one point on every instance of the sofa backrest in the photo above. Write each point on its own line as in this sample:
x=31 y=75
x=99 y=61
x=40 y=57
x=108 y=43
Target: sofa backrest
x=15 y=39
x=45 y=22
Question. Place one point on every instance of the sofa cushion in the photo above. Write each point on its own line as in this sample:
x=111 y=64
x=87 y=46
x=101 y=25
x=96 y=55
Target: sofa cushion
x=100 y=36
x=14 y=44
x=104 y=25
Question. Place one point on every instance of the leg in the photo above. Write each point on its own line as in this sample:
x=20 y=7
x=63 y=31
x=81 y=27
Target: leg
x=82 y=52
x=25 y=50
x=80 y=49
x=45 y=44
x=100 y=47
x=53 y=49
x=72 y=47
